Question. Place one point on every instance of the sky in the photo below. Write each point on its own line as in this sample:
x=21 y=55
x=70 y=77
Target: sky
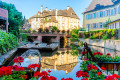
x=31 y=7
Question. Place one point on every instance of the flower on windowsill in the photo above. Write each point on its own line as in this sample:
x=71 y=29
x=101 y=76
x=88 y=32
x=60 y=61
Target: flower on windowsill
x=33 y=66
x=108 y=54
x=49 y=71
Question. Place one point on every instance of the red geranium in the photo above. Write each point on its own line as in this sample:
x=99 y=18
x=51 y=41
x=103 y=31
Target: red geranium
x=33 y=66
x=37 y=74
x=79 y=73
x=115 y=76
x=52 y=78
x=90 y=66
x=109 y=78
x=23 y=76
x=84 y=79
x=67 y=79
x=84 y=53
x=5 y=70
x=99 y=73
x=103 y=68
x=49 y=71
x=108 y=54
x=18 y=59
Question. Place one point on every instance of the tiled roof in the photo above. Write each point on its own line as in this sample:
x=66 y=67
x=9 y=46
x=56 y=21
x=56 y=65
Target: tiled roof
x=100 y=4
x=68 y=13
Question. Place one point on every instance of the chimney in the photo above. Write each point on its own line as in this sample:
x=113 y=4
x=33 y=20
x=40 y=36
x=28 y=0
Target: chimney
x=68 y=7
x=41 y=8
x=56 y=13
x=46 y=8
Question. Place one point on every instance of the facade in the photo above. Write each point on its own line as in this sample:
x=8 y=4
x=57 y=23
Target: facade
x=63 y=19
x=99 y=12
x=3 y=20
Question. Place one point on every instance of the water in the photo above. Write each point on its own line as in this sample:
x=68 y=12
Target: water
x=64 y=62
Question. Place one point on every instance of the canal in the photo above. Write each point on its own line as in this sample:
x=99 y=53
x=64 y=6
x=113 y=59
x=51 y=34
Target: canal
x=64 y=62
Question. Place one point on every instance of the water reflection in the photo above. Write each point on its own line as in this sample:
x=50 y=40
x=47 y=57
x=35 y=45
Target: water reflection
x=62 y=64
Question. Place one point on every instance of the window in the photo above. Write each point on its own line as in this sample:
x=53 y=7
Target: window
x=89 y=16
x=63 y=19
x=91 y=26
x=119 y=24
x=108 y=12
x=115 y=11
x=94 y=25
x=63 y=25
x=101 y=25
x=104 y=14
x=101 y=13
x=88 y=26
x=111 y=12
x=95 y=16
x=119 y=9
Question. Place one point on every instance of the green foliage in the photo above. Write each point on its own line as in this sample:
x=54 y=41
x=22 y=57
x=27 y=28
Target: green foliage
x=55 y=28
x=23 y=36
x=74 y=34
x=15 y=18
x=105 y=37
x=7 y=42
x=16 y=75
x=102 y=34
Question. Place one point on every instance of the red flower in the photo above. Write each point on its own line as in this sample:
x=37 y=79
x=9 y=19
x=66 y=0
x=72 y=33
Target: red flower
x=108 y=54
x=21 y=59
x=84 y=79
x=49 y=71
x=103 y=68
x=67 y=79
x=23 y=76
x=89 y=67
x=99 y=73
x=15 y=60
x=109 y=78
x=37 y=74
x=84 y=53
x=52 y=78
x=94 y=67
x=115 y=76
x=33 y=66
x=5 y=70
x=18 y=59
x=79 y=73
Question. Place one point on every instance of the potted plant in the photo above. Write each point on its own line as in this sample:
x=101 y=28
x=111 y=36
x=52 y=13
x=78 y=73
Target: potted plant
x=58 y=30
x=46 y=30
x=40 y=30
x=63 y=31
x=53 y=30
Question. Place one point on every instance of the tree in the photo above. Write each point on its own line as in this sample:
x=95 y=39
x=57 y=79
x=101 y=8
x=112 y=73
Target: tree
x=15 y=18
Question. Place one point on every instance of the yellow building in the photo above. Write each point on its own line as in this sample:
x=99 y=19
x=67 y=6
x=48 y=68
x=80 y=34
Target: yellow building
x=99 y=12
x=63 y=19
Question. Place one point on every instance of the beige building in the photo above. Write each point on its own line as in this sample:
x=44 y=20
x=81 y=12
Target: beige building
x=63 y=19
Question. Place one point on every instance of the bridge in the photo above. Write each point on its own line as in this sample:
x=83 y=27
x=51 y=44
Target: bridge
x=48 y=37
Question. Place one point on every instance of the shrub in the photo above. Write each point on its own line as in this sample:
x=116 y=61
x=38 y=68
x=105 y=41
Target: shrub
x=7 y=42
x=105 y=36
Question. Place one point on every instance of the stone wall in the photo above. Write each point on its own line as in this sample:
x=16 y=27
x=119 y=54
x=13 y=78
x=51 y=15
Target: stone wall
x=110 y=44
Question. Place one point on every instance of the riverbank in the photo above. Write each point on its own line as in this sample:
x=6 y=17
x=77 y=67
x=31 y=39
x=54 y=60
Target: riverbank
x=109 y=44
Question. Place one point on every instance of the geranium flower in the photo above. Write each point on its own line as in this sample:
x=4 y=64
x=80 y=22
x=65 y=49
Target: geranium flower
x=37 y=74
x=89 y=67
x=23 y=76
x=67 y=79
x=109 y=78
x=52 y=78
x=103 y=68
x=15 y=60
x=84 y=79
x=33 y=66
x=115 y=76
x=99 y=73
x=49 y=71
x=18 y=59
x=79 y=73
x=108 y=54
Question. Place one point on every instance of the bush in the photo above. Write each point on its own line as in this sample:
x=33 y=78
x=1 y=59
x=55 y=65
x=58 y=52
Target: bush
x=7 y=42
x=105 y=37
x=23 y=36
